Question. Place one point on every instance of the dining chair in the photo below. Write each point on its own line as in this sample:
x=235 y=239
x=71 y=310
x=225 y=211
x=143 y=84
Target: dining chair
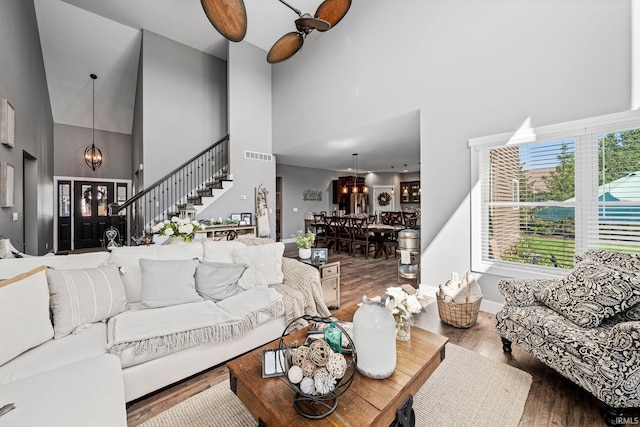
x=392 y=218
x=410 y=220
x=332 y=232
x=361 y=236
x=385 y=217
x=395 y=218
x=344 y=235
x=371 y=219
x=320 y=227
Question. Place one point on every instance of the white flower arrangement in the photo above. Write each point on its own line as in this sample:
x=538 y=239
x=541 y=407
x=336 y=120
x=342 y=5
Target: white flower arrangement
x=406 y=305
x=180 y=227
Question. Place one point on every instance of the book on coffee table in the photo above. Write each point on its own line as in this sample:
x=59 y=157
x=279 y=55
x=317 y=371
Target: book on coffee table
x=272 y=363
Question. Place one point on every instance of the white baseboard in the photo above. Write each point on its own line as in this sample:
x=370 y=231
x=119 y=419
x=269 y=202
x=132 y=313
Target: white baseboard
x=486 y=305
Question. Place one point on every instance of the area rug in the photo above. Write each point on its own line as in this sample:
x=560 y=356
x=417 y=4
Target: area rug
x=467 y=389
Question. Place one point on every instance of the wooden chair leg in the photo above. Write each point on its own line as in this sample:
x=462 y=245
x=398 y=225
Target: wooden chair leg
x=615 y=416
x=506 y=345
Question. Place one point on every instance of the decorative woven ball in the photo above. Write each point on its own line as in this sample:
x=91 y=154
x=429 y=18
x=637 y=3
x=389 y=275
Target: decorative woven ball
x=301 y=354
x=319 y=352
x=337 y=365
x=324 y=381
x=308 y=368
x=307 y=385
x=295 y=374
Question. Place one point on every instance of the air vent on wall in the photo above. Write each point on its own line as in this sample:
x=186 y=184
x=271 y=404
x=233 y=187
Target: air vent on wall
x=254 y=155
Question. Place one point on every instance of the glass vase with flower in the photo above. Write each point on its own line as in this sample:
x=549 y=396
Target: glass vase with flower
x=404 y=311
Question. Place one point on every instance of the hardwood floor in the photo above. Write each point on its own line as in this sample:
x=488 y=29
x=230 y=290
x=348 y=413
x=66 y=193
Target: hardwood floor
x=553 y=400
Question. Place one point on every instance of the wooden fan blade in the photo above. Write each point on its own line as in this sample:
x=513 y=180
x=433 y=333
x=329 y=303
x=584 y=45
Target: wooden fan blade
x=309 y=23
x=332 y=11
x=285 y=47
x=229 y=17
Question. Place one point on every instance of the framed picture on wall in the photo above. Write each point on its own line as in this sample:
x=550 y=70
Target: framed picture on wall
x=7 y=182
x=246 y=218
x=236 y=217
x=7 y=123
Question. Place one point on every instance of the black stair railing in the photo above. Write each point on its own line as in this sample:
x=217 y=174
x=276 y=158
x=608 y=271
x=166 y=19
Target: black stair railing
x=188 y=183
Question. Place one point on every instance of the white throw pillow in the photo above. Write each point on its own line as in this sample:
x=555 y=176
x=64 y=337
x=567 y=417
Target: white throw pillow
x=81 y=296
x=24 y=313
x=265 y=264
x=220 y=251
x=169 y=282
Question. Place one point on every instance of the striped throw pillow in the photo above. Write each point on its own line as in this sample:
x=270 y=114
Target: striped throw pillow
x=83 y=296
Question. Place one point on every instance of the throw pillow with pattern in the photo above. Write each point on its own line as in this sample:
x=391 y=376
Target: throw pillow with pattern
x=591 y=293
x=612 y=259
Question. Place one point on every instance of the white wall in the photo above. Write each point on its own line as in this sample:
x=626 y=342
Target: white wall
x=184 y=103
x=472 y=68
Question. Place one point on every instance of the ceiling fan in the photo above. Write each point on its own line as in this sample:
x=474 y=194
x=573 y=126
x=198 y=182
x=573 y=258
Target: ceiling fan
x=229 y=17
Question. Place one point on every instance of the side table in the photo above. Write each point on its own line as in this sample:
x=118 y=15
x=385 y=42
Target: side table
x=330 y=280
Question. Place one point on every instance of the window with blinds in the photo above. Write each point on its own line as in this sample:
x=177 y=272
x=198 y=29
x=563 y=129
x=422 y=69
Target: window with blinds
x=529 y=203
x=570 y=188
x=618 y=220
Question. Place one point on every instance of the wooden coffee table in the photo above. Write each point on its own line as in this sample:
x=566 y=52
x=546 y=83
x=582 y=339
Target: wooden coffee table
x=366 y=402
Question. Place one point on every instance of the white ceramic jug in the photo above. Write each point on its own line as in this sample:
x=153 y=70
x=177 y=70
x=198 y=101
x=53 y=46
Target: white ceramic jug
x=374 y=336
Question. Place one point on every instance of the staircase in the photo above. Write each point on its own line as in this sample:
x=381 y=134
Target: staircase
x=199 y=181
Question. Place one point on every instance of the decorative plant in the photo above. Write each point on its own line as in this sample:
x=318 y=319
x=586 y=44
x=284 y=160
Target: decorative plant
x=304 y=240
x=212 y=221
x=406 y=305
x=181 y=227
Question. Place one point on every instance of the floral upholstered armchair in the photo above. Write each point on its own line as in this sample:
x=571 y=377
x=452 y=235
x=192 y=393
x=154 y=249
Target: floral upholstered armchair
x=586 y=326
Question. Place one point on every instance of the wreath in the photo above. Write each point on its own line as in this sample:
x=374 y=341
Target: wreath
x=384 y=198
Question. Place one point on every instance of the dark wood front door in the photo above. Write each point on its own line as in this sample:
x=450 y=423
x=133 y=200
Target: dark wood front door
x=91 y=214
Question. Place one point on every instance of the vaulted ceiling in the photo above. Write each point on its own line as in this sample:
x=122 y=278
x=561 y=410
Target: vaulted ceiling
x=80 y=37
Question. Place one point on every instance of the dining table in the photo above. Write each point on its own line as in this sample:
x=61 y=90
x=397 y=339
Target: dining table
x=381 y=233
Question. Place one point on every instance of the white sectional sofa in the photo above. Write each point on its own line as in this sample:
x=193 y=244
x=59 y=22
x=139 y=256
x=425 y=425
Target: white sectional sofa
x=131 y=327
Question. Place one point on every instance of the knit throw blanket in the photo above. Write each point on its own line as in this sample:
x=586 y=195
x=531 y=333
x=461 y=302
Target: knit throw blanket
x=301 y=292
x=154 y=332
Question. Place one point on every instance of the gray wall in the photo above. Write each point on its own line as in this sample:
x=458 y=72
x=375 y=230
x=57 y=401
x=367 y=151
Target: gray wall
x=23 y=83
x=472 y=69
x=184 y=103
x=137 y=131
x=70 y=142
x=294 y=181
x=250 y=129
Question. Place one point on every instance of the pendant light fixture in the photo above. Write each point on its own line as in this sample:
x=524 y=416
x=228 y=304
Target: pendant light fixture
x=92 y=154
x=393 y=186
x=355 y=170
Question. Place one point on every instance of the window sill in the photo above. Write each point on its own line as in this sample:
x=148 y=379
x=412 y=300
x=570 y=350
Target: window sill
x=519 y=270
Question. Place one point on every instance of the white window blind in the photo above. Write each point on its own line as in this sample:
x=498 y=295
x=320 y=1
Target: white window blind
x=618 y=192
x=529 y=203
x=572 y=187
